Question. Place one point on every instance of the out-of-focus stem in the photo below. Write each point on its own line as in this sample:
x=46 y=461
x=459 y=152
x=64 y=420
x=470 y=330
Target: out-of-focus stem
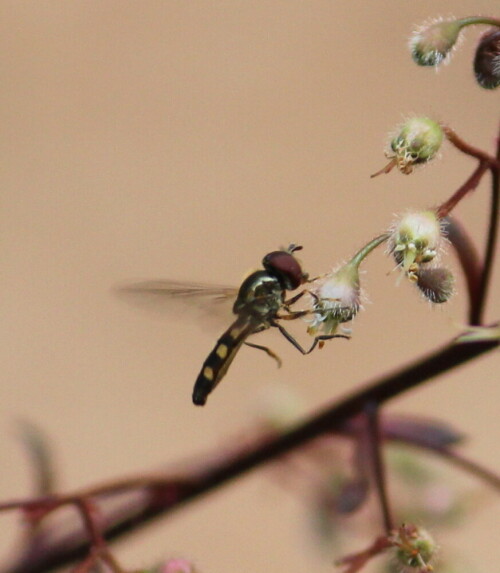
x=477 y=310
x=468 y=257
x=374 y=440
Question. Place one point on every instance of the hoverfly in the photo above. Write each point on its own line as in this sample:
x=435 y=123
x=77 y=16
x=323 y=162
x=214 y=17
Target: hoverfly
x=257 y=307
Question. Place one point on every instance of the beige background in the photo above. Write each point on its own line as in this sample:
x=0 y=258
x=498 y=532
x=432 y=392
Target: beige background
x=185 y=140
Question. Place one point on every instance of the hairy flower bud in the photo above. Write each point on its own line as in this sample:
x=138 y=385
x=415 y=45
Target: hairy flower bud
x=415 y=548
x=415 y=239
x=436 y=284
x=487 y=60
x=336 y=297
x=418 y=141
x=432 y=42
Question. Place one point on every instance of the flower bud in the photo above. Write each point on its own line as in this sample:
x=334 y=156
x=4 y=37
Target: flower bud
x=415 y=239
x=336 y=299
x=436 y=284
x=432 y=42
x=415 y=548
x=487 y=60
x=418 y=141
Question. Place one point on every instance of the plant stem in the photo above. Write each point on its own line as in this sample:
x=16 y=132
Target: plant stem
x=469 y=185
x=377 y=464
x=476 y=312
x=367 y=249
x=473 y=20
x=468 y=256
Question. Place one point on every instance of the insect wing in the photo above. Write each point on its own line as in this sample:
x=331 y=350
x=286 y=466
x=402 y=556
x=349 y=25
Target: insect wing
x=179 y=299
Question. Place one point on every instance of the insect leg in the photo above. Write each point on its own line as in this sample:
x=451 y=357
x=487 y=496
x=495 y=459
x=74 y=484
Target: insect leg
x=295 y=298
x=321 y=340
x=267 y=350
x=317 y=339
x=293 y=314
x=298 y=313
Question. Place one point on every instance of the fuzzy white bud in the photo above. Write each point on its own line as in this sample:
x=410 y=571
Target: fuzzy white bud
x=433 y=42
x=415 y=239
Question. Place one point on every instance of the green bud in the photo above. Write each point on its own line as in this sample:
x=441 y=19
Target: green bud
x=487 y=60
x=418 y=141
x=432 y=43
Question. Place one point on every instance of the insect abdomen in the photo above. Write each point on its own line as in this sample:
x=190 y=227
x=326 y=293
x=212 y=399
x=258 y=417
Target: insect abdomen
x=218 y=361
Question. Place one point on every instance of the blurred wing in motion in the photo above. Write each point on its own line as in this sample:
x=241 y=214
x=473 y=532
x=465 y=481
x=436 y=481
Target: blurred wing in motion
x=179 y=299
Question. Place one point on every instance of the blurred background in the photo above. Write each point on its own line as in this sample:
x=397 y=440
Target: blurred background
x=184 y=140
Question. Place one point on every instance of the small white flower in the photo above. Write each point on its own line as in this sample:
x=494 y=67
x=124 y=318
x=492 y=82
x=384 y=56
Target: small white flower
x=336 y=298
x=416 y=239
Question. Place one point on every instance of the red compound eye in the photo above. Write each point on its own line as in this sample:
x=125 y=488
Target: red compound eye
x=286 y=267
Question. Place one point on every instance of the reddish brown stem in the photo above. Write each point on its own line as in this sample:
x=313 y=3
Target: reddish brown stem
x=357 y=561
x=477 y=310
x=470 y=184
x=468 y=149
x=477 y=294
x=91 y=517
x=377 y=464
x=468 y=465
x=468 y=257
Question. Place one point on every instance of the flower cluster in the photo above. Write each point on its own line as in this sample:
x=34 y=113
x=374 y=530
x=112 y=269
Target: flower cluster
x=415 y=241
x=433 y=42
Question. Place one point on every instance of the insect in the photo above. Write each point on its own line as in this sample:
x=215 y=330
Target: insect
x=260 y=304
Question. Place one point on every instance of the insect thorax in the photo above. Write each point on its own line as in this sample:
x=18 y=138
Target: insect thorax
x=260 y=295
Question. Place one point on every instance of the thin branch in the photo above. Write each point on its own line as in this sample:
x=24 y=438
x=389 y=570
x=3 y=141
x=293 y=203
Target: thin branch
x=392 y=433
x=63 y=549
x=356 y=561
x=476 y=314
x=468 y=149
x=374 y=440
x=469 y=466
x=470 y=184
